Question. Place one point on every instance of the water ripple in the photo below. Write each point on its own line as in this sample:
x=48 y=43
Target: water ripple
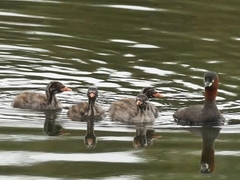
x=71 y=47
x=228 y=153
x=152 y=70
x=24 y=24
x=25 y=177
x=39 y=1
x=25 y=158
x=146 y=46
x=13 y=14
x=129 y=7
x=123 y=41
x=22 y=48
x=40 y=33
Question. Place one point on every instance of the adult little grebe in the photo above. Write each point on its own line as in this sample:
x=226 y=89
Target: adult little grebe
x=37 y=101
x=203 y=114
x=126 y=107
x=85 y=110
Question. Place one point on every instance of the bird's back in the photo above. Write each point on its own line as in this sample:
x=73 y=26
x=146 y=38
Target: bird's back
x=198 y=115
x=80 y=111
x=123 y=109
x=30 y=100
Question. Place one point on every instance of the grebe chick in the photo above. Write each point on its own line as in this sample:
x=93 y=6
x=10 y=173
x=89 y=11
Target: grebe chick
x=145 y=112
x=126 y=108
x=38 y=101
x=85 y=110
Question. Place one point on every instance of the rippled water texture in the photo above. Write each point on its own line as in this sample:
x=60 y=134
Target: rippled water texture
x=120 y=47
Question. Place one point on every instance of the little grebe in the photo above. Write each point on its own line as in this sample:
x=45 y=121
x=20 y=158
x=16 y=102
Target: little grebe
x=203 y=114
x=85 y=110
x=145 y=112
x=37 y=101
x=126 y=107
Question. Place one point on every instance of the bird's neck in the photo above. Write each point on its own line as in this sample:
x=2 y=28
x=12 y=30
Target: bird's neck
x=52 y=101
x=210 y=94
x=91 y=103
x=50 y=98
x=142 y=108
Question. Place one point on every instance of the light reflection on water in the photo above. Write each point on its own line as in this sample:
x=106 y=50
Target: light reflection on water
x=28 y=177
x=120 y=48
x=48 y=178
x=138 y=8
x=22 y=158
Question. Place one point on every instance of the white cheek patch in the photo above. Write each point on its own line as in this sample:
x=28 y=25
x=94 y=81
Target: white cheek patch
x=210 y=84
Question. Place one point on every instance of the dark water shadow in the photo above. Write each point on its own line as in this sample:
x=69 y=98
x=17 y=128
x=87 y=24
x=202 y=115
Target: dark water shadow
x=144 y=136
x=52 y=127
x=90 y=139
x=209 y=134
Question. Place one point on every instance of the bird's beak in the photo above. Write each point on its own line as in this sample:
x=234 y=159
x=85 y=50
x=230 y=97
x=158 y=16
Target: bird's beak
x=157 y=95
x=66 y=89
x=91 y=94
x=139 y=103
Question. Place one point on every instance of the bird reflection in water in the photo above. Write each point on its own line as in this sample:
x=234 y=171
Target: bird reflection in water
x=209 y=134
x=90 y=139
x=51 y=126
x=144 y=136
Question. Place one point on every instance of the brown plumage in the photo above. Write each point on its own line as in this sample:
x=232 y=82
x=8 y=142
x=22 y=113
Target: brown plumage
x=202 y=114
x=85 y=110
x=145 y=112
x=37 y=101
x=125 y=109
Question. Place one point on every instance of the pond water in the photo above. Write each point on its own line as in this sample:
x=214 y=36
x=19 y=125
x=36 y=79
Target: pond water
x=120 y=47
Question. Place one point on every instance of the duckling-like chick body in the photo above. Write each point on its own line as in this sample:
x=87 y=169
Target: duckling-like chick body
x=38 y=101
x=85 y=110
x=126 y=108
x=202 y=114
x=145 y=113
